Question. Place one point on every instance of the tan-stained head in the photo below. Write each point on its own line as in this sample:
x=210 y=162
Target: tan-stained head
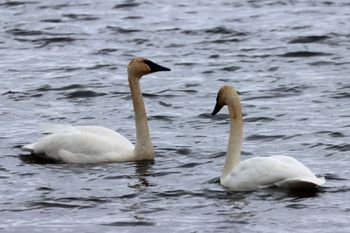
x=225 y=95
x=142 y=66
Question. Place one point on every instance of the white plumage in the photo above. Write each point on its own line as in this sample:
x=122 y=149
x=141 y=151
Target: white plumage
x=257 y=172
x=95 y=144
x=262 y=172
x=83 y=144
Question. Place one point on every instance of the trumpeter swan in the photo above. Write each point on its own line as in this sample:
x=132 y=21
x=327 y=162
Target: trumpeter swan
x=95 y=144
x=257 y=172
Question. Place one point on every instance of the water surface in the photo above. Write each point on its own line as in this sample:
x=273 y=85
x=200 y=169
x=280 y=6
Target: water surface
x=65 y=62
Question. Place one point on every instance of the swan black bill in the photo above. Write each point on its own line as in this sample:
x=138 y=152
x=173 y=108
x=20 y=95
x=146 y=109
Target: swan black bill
x=155 y=67
x=217 y=109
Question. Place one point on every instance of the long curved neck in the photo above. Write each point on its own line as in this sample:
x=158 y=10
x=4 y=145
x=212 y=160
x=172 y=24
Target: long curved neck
x=233 y=153
x=143 y=148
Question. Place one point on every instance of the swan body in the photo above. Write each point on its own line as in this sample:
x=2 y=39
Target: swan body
x=257 y=172
x=95 y=144
x=261 y=172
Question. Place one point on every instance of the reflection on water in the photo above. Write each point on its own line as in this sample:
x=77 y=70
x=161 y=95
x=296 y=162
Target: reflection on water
x=141 y=171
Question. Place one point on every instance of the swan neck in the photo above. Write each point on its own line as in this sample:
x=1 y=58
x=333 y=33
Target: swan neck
x=143 y=147
x=234 y=146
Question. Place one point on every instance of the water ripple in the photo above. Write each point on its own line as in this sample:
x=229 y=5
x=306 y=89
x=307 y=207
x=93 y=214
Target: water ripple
x=126 y=5
x=83 y=94
x=304 y=54
x=309 y=39
x=262 y=137
x=58 y=63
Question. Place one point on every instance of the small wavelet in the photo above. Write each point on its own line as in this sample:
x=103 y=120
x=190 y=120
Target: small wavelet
x=218 y=35
x=175 y=193
x=304 y=54
x=274 y=68
x=18 y=96
x=297 y=89
x=44 y=188
x=80 y=17
x=183 y=151
x=255 y=119
x=16 y=3
x=122 y=30
x=43 y=42
x=281 y=91
x=126 y=5
x=83 y=94
x=23 y=32
x=101 y=66
x=158 y=94
x=129 y=224
x=321 y=63
x=340 y=147
x=224 y=41
x=218 y=154
x=332 y=133
x=189 y=165
x=225 y=31
x=297 y=206
x=314 y=145
x=231 y=68
x=47 y=87
x=162 y=103
x=341 y=95
x=161 y=118
x=62 y=5
x=175 y=45
x=331 y=176
x=185 y=64
x=106 y=51
x=308 y=39
x=336 y=135
x=51 y=20
x=54 y=204
x=262 y=137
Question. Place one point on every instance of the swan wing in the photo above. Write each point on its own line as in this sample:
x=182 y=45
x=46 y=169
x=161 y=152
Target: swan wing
x=261 y=172
x=105 y=132
x=83 y=144
x=98 y=130
x=301 y=182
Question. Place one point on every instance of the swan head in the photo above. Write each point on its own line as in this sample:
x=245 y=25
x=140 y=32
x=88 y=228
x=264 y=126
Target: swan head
x=226 y=95
x=142 y=66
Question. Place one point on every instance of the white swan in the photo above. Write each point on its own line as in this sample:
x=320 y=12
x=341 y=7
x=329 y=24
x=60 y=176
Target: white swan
x=94 y=144
x=257 y=172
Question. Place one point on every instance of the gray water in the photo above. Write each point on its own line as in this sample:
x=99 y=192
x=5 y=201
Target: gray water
x=65 y=62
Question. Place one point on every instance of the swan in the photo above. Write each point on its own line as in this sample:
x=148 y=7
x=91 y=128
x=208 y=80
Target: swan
x=95 y=144
x=257 y=172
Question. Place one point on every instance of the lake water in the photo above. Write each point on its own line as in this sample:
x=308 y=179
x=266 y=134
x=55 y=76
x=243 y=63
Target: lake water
x=65 y=62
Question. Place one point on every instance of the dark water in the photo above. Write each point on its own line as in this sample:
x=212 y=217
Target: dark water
x=65 y=62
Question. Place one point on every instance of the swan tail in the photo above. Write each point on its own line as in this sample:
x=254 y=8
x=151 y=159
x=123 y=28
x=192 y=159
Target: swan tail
x=301 y=183
x=28 y=148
